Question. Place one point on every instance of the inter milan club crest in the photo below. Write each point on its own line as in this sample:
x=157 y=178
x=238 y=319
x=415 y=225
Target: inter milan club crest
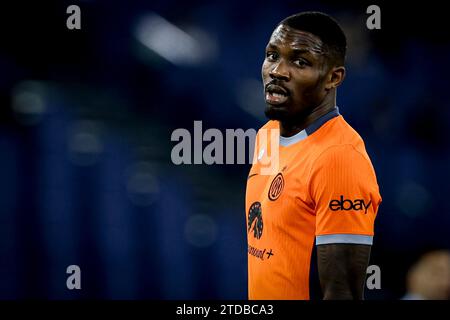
x=255 y=220
x=276 y=187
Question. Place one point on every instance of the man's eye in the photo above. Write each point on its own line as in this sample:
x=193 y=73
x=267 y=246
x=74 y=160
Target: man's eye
x=301 y=63
x=271 y=55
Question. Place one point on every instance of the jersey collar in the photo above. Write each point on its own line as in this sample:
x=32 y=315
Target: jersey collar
x=313 y=127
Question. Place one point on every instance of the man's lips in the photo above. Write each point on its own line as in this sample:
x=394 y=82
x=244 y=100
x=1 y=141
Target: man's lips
x=273 y=88
x=276 y=94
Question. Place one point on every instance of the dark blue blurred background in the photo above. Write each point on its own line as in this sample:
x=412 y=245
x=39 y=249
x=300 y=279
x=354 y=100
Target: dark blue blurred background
x=86 y=118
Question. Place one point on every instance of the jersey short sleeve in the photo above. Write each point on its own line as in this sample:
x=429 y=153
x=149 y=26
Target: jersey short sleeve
x=344 y=190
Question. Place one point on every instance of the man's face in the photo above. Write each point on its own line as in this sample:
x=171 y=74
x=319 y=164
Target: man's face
x=294 y=73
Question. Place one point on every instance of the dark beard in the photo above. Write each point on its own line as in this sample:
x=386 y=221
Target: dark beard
x=285 y=117
x=276 y=114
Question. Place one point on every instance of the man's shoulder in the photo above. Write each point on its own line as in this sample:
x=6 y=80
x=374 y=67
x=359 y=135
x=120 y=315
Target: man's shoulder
x=339 y=137
x=341 y=132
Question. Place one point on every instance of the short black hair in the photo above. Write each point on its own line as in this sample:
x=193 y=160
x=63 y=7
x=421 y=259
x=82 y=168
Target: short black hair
x=323 y=26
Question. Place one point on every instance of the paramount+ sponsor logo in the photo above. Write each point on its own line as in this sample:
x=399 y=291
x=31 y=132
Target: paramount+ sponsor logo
x=347 y=205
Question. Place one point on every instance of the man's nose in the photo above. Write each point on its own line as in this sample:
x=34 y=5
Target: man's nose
x=280 y=71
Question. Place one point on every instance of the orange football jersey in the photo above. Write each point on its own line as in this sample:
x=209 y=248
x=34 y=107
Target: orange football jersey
x=323 y=190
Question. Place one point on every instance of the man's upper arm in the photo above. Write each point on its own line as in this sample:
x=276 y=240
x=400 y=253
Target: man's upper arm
x=342 y=270
x=344 y=189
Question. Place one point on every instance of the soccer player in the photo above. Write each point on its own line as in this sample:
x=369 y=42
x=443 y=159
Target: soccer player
x=325 y=188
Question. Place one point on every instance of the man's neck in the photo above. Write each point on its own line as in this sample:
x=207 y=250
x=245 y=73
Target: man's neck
x=290 y=129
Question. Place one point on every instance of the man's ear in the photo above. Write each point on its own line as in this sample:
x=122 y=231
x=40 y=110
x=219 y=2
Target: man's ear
x=335 y=77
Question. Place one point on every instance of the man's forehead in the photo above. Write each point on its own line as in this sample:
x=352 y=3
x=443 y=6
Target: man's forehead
x=285 y=35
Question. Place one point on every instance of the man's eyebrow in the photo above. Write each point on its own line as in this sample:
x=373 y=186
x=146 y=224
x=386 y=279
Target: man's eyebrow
x=295 y=51
x=299 y=51
x=307 y=51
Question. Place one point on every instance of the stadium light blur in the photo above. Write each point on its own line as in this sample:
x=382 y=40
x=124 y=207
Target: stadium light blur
x=28 y=102
x=172 y=43
x=201 y=230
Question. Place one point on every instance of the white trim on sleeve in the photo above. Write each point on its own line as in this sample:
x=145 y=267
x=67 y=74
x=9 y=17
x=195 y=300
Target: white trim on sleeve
x=344 y=238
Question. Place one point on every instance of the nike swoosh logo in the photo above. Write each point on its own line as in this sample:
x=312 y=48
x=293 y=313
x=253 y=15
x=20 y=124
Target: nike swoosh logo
x=252 y=175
